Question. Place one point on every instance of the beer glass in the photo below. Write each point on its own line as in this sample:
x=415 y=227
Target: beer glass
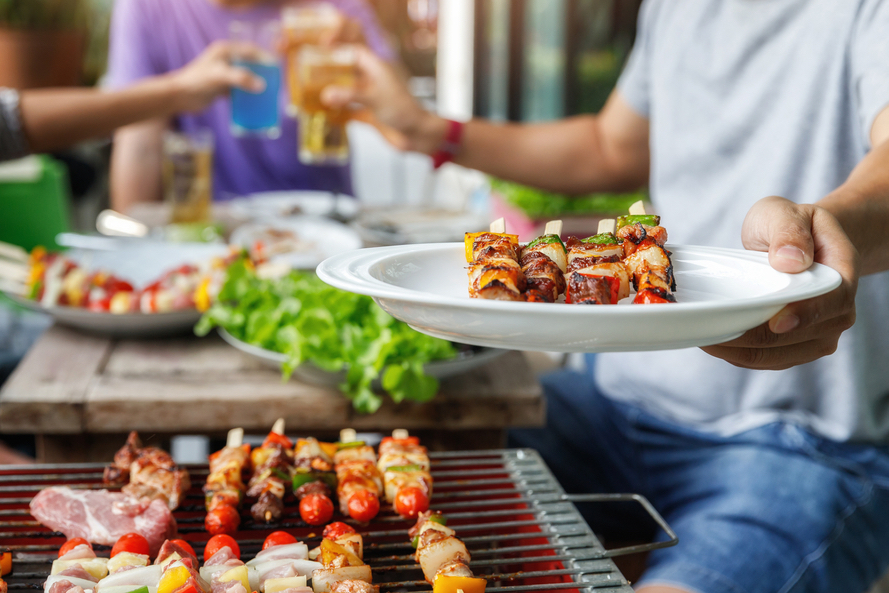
x=188 y=175
x=256 y=114
x=322 y=131
x=304 y=25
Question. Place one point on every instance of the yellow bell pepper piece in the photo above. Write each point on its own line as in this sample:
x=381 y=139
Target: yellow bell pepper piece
x=446 y=584
x=202 y=295
x=239 y=573
x=173 y=579
x=331 y=550
x=469 y=240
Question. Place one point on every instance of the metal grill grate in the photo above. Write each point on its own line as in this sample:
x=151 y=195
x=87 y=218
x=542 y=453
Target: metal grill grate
x=524 y=533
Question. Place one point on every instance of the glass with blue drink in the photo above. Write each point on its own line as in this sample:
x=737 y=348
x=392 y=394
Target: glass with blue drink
x=257 y=114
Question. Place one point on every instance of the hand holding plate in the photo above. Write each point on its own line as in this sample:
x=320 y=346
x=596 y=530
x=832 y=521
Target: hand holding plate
x=795 y=236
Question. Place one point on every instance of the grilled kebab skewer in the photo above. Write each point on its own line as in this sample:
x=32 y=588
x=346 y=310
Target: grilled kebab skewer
x=359 y=482
x=494 y=269
x=272 y=471
x=442 y=556
x=225 y=485
x=544 y=262
x=407 y=481
x=151 y=473
x=314 y=480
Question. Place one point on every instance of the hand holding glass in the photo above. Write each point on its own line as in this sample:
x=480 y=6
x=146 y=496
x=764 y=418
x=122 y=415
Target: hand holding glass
x=322 y=130
x=304 y=25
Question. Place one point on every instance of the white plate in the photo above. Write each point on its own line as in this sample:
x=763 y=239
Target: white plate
x=139 y=261
x=318 y=238
x=309 y=373
x=274 y=205
x=721 y=294
x=127 y=325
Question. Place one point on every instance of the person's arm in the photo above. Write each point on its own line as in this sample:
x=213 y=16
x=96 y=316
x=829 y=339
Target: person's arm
x=604 y=152
x=136 y=162
x=846 y=230
x=55 y=118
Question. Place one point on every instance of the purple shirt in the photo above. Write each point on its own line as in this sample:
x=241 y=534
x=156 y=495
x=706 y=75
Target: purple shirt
x=150 y=37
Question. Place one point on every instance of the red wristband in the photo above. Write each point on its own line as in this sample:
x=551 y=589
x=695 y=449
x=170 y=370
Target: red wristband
x=450 y=146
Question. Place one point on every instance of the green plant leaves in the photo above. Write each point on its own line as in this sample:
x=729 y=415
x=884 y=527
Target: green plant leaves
x=310 y=321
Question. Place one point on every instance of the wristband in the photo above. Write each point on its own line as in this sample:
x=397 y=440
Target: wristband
x=450 y=146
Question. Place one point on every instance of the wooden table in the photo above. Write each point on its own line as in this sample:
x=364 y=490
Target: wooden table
x=81 y=394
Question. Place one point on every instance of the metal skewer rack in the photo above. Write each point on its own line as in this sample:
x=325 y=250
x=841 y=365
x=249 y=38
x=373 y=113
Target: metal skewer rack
x=523 y=532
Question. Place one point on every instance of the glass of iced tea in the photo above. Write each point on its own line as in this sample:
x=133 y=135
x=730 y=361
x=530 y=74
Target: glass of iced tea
x=188 y=175
x=304 y=25
x=257 y=114
x=322 y=131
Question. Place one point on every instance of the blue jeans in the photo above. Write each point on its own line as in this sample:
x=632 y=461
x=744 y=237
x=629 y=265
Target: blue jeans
x=774 y=509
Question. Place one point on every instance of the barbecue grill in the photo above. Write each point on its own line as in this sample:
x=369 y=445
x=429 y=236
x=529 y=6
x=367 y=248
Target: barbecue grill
x=523 y=531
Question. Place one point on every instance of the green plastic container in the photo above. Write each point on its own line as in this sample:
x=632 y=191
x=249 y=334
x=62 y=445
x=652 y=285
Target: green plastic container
x=33 y=212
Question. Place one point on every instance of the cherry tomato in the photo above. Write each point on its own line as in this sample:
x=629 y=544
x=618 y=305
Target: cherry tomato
x=280 y=439
x=71 y=544
x=184 y=545
x=363 y=506
x=133 y=543
x=315 y=509
x=410 y=502
x=223 y=519
x=278 y=538
x=217 y=542
x=334 y=531
x=648 y=297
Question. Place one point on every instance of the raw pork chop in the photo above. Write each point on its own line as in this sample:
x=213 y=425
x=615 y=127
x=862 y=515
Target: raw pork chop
x=102 y=517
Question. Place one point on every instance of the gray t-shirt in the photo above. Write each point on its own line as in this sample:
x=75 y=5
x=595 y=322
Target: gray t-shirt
x=751 y=98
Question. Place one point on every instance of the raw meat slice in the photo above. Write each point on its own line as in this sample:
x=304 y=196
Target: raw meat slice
x=101 y=517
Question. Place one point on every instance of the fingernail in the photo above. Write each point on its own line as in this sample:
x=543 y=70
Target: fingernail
x=792 y=253
x=786 y=323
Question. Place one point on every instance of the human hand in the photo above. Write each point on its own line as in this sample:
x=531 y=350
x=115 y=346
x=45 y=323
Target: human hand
x=795 y=236
x=211 y=74
x=389 y=105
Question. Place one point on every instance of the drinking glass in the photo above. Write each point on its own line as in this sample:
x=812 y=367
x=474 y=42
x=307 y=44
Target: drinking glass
x=322 y=131
x=304 y=25
x=188 y=175
x=256 y=114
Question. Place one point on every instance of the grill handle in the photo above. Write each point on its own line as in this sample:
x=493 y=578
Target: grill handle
x=638 y=549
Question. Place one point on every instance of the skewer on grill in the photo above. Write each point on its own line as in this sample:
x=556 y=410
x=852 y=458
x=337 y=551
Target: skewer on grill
x=150 y=472
x=314 y=480
x=407 y=480
x=225 y=485
x=341 y=555
x=272 y=471
x=442 y=556
x=359 y=482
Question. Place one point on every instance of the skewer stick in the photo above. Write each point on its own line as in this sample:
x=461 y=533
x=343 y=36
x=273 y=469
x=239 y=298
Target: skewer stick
x=13 y=252
x=400 y=433
x=13 y=271
x=638 y=208
x=498 y=226
x=235 y=437
x=348 y=435
x=13 y=287
x=278 y=427
x=606 y=225
x=553 y=227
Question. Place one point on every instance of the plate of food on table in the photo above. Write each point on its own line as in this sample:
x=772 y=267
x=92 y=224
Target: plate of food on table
x=339 y=489
x=139 y=290
x=491 y=290
x=291 y=320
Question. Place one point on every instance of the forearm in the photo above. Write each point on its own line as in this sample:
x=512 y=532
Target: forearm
x=136 y=164
x=606 y=152
x=862 y=207
x=57 y=118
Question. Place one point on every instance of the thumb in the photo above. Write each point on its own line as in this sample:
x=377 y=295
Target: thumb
x=784 y=229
